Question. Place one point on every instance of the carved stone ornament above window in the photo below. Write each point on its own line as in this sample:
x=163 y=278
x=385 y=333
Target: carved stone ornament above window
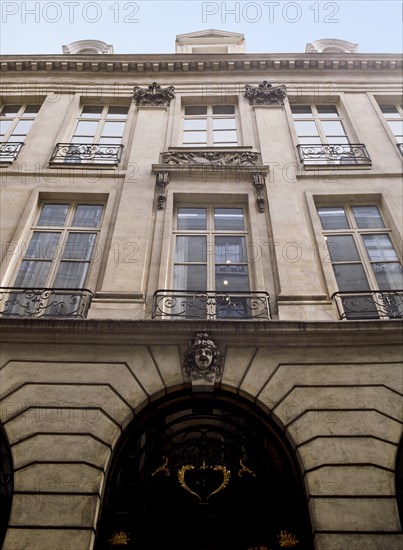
x=154 y=96
x=210 y=158
x=265 y=94
x=203 y=362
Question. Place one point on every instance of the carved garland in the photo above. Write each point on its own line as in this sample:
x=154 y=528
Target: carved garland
x=210 y=158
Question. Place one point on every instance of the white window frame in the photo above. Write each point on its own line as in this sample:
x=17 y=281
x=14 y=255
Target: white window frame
x=398 y=138
x=64 y=231
x=8 y=152
x=356 y=233
x=101 y=120
x=323 y=157
x=18 y=117
x=68 y=151
x=210 y=233
x=318 y=119
x=210 y=117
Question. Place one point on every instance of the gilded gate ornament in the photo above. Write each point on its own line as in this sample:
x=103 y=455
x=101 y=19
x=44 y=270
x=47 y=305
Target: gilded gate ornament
x=226 y=475
x=287 y=540
x=119 y=539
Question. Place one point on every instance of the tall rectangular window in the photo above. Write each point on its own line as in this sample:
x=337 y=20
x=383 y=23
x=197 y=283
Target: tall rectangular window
x=210 y=125
x=97 y=136
x=53 y=273
x=15 y=123
x=362 y=254
x=211 y=256
x=317 y=124
x=393 y=114
x=61 y=247
x=323 y=138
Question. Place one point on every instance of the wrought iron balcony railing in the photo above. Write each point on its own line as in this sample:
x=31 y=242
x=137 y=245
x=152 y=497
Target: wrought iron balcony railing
x=9 y=150
x=44 y=302
x=86 y=153
x=330 y=154
x=400 y=147
x=372 y=304
x=206 y=304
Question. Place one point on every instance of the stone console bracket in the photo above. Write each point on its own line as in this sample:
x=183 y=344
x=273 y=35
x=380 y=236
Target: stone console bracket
x=196 y=162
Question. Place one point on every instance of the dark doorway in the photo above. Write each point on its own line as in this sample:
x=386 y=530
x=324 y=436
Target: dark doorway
x=6 y=484
x=399 y=481
x=203 y=473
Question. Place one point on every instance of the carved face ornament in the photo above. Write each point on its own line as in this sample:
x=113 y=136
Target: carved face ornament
x=203 y=357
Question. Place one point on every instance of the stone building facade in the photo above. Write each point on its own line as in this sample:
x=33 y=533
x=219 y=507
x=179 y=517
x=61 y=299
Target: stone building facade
x=201 y=298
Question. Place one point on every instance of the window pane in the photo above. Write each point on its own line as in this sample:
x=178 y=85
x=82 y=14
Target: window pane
x=192 y=218
x=333 y=217
x=191 y=249
x=31 y=110
x=195 y=124
x=195 y=137
x=367 y=216
x=22 y=128
x=341 y=140
x=86 y=128
x=32 y=274
x=230 y=250
x=342 y=248
x=10 y=110
x=301 y=110
x=78 y=139
x=306 y=128
x=228 y=219
x=223 y=109
x=53 y=215
x=222 y=136
x=232 y=278
x=379 y=247
x=4 y=126
x=327 y=110
x=350 y=277
x=117 y=112
x=196 y=110
x=190 y=277
x=79 y=246
x=113 y=128
x=87 y=215
x=389 y=276
x=43 y=245
x=396 y=126
x=303 y=140
x=109 y=141
x=92 y=111
x=71 y=275
x=390 y=110
x=333 y=128
x=224 y=124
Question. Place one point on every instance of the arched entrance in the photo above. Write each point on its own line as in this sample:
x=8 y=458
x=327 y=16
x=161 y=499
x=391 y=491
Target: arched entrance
x=203 y=473
x=6 y=484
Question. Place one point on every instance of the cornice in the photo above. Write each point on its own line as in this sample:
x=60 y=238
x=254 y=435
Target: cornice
x=191 y=63
x=265 y=333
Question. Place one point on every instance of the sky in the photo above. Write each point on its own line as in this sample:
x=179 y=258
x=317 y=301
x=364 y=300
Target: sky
x=150 y=26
